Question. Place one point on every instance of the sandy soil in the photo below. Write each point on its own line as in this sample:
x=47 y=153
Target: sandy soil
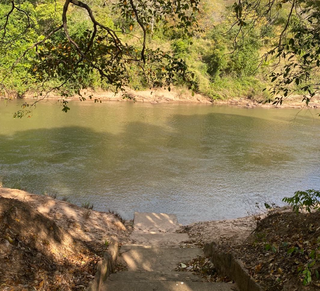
x=177 y=95
x=89 y=225
x=232 y=231
x=229 y=231
x=150 y=96
x=47 y=244
x=85 y=224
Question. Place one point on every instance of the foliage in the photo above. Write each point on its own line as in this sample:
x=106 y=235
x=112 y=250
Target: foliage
x=72 y=50
x=308 y=200
x=294 y=54
x=144 y=44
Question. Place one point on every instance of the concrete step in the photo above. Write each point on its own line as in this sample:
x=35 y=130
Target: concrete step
x=155 y=222
x=130 y=276
x=167 y=286
x=158 y=239
x=160 y=259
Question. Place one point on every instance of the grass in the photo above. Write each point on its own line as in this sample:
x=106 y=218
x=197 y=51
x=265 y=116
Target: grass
x=52 y=195
x=117 y=215
x=87 y=205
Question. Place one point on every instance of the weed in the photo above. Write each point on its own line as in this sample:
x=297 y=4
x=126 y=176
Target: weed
x=52 y=195
x=87 y=205
x=87 y=214
x=117 y=215
x=270 y=247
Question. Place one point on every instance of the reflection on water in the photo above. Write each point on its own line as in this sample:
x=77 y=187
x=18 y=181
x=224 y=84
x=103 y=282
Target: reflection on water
x=199 y=162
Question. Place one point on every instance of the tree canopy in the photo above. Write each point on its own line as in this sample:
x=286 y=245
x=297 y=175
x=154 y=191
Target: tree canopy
x=296 y=50
x=66 y=41
x=68 y=45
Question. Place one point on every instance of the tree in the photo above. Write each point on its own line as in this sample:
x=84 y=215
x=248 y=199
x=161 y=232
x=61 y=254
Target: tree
x=65 y=45
x=295 y=53
x=73 y=42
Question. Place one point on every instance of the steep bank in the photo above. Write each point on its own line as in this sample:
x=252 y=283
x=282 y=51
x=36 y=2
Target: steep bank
x=47 y=244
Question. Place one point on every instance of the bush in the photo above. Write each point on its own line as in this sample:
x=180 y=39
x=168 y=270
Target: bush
x=308 y=199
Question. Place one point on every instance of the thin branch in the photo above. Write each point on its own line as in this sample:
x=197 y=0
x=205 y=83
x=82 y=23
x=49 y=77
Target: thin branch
x=7 y=16
x=93 y=35
x=33 y=104
x=65 y=27
x=7 y=19
x=143 y=29
x=111 y=32
x=287 y=23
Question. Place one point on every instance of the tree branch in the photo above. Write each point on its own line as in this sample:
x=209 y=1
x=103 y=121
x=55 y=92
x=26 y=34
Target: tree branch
x=287 y=23
x=7 y=19
x=143 y=29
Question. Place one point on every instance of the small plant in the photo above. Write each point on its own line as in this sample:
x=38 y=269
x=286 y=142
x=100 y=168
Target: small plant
x=87 y=214
x=52 y=195
x=307 y=271
x=87 y=205
x=106 y=243
x=117 y=215
x=306 y=276
x=308 y=199
x=270 y=247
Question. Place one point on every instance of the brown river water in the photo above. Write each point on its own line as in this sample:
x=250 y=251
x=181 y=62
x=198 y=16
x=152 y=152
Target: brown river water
x=200 y=162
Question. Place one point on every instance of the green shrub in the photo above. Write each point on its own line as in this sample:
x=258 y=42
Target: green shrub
x=308 y=200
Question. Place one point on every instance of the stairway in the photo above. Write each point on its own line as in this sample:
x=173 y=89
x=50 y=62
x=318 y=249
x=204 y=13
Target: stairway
x=156 y=250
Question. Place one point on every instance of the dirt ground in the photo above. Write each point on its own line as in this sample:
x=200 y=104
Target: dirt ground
x=283 y=253
x=47 y=244
x=280 y=249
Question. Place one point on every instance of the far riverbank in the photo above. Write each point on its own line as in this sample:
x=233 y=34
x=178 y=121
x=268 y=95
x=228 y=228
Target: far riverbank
x=176 y=95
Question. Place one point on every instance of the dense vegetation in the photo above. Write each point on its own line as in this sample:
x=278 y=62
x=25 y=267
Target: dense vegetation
x=211 y=47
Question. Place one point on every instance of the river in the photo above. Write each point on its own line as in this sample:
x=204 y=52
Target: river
x=200 y=162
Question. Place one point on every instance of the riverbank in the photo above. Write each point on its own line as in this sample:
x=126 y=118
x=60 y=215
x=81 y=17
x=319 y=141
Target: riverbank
x=47 y=244
x=178 y=95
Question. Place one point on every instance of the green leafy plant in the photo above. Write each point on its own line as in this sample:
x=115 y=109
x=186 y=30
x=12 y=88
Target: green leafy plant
x=308 y=200
x=271 y=247
x=306 y=276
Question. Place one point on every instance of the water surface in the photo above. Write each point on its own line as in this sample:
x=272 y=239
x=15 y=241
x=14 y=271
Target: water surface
x=198 y=161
